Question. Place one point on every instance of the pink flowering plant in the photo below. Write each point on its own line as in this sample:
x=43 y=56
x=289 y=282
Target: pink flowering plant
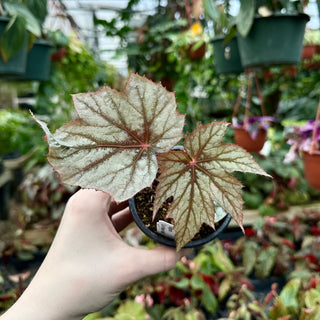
x=300 y=139
x=253 y=124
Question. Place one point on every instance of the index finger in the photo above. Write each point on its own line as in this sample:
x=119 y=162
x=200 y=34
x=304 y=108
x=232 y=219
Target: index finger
x=116 y=207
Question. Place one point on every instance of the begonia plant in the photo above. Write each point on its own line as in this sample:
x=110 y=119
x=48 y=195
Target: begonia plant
x=121 y=139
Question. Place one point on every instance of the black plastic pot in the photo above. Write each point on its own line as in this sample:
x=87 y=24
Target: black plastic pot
x=273 y=40
x=38 y=62
x=226 y=56
x=170 y=242
x=17 y=64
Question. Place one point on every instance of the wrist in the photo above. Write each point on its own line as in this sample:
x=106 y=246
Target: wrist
x=48 y=296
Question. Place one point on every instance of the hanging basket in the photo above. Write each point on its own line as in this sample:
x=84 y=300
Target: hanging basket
x=38 y=62
x=244 y=140
x=226 y=56
x=312 y=158
x=17 y=64
x=242 y=136
x=273 y=40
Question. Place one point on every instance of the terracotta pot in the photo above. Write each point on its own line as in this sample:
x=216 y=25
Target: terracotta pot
x=267 y=74
x=167 y=83
x=244 y=140
x=59 y=54
x=197 y=53
x=308 y=51
x=312 y=169
x=290 y=71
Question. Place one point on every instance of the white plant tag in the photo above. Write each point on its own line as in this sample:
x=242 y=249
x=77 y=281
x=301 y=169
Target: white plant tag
x=166 y=229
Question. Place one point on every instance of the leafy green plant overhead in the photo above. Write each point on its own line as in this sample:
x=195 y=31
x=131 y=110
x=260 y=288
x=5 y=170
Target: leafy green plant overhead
x=26 y=18
x=120 y=140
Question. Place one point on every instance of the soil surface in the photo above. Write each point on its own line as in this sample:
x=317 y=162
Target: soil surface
x=144 y=203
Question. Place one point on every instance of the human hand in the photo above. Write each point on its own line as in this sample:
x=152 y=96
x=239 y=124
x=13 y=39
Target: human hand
x=88 y=263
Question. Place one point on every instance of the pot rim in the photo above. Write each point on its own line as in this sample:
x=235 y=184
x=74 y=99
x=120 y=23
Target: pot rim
x=4 y=18
x=314 y=153
x=241 y=128
x=171 y=243
x=284 y=15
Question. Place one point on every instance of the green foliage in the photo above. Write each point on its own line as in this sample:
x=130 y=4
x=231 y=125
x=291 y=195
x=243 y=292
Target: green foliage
x=43 y=195
x=18 y=132
x=16 y=28
x=18 y=9
x=78 y=71
x=119 y=26
x=311 y=37
x=265 y=262
x=219 y=15
x=245 y=16
x=288 y=186
x=27 y=17
x=159 y=51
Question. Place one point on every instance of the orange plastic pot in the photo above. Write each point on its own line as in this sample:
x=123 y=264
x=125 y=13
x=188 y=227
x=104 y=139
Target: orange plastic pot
x=312 y=169
x=244 y=140
x=308 y=51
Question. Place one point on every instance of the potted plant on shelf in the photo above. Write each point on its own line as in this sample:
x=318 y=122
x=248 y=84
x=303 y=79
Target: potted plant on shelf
x=225 y=44
x=14 y=37
x=122 y=139
x=311 y=44
x=306 y=140
x=311 y=50
x=267 y=36
x=38 y=58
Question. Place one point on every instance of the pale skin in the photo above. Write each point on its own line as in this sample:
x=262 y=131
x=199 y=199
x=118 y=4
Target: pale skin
x=88 y=263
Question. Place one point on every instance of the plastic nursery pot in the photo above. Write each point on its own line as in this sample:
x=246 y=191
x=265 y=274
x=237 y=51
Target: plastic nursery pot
x=273 y=40
x=17 y=64
x=157 y=237
x=226 y=56
x=312 y=169
x=244 y=140
x=38 y=62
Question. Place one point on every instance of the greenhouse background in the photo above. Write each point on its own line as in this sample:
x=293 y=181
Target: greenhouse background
x=246 y=75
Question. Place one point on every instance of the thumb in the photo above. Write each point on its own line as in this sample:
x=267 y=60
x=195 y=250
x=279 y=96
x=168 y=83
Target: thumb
x=158 y=259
